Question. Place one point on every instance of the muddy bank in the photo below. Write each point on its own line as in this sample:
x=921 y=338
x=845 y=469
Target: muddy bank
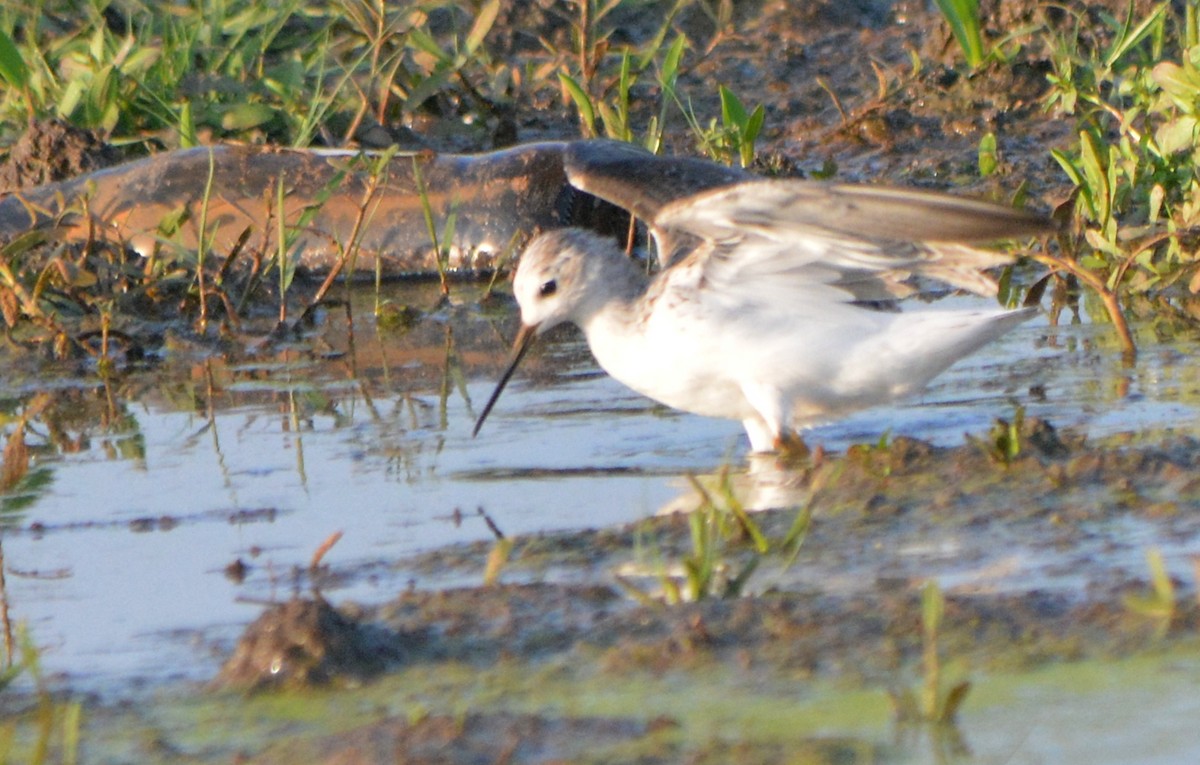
x=1041 y=555
x=337 y=208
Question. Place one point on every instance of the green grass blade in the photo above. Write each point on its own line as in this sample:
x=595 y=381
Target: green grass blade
x=483 y=24
x=587 y=112
x=12 y=65
x=933 y=606
x=1130 y=37
x=793 y=541
x=736 y=586
x=963 y=17
x=669 y=66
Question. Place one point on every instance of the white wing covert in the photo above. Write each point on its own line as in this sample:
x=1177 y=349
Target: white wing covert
x=861 y=240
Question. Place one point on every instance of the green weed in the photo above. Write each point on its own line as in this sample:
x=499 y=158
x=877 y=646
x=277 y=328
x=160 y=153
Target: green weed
x=47 y=732
x=1137 y=191
x=874 y=456
x=732 y=139
x=738 y=131
x=202 y=244
x=441 y=243
x=283 y=73
x=600 y=86
x=727 y=544
x=232 y=69
x=348 y=251
x=935 y=700
x=1160 y=604
x=1003 y=442
x=718 y=526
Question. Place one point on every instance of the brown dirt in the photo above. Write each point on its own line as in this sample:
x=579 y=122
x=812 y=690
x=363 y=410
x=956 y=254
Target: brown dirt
x=51 y=151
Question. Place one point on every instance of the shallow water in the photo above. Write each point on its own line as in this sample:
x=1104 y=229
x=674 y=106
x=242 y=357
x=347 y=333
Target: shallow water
x=117 y=558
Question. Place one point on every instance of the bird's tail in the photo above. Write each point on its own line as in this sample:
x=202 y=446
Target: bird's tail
x=925 y=343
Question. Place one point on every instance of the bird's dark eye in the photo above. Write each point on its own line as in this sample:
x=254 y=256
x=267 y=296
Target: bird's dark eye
x=548 y=288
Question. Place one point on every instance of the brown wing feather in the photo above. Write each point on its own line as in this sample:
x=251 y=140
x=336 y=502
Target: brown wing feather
x=864 y=212
x=921 y=216
x=643 y=183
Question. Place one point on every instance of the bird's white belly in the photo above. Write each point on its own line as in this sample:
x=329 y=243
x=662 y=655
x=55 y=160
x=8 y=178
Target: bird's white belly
x=681 y=374
x=795 y=372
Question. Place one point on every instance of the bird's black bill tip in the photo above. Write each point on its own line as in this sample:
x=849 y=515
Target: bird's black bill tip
x=520 y=345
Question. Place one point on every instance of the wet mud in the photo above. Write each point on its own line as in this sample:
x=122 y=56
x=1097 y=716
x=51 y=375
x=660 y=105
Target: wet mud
x=52 y=151
x=835 y=610
x=342 y=208
x=584 y=611
x=305 y=642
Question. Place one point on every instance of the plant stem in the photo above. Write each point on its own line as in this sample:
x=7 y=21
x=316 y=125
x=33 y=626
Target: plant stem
x=1112 y=301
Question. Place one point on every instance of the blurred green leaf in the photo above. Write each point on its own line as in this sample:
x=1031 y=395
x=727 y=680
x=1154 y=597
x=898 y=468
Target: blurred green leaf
x=246 y=116
x=12 y=65
x=423 y=41
x=483 y=24
x=1178 y=135
x=187 y=126
x=732 y=111
x=988 y=158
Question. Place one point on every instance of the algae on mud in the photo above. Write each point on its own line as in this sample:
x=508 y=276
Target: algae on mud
x=706 y=713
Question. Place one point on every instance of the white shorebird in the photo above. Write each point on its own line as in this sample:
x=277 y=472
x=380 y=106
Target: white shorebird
x=782 y=314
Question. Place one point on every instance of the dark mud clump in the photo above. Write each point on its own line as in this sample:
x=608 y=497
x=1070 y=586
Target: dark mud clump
x=52 y=150
x=306 y=642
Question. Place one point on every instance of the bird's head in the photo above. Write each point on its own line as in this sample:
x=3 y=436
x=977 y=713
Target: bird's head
x=552 y=287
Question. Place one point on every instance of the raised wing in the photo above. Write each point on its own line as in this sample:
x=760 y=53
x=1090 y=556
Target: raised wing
x=863 y=240
x=643 y=183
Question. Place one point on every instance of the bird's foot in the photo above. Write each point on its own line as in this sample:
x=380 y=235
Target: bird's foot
x=790 y=447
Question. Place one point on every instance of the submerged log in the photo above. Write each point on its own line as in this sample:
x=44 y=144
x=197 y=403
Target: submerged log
x=350 y=209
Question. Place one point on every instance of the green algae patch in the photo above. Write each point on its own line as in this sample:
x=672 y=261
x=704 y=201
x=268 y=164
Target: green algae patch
x=575 y=712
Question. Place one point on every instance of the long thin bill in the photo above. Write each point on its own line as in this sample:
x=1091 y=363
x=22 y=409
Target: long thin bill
x=520 y=345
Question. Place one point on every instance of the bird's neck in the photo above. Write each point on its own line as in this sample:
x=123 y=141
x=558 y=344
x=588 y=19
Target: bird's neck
x=621 y=283
x=614 y=326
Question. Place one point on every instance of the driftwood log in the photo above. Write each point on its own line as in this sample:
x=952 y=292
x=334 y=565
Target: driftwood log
x=344 y=209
